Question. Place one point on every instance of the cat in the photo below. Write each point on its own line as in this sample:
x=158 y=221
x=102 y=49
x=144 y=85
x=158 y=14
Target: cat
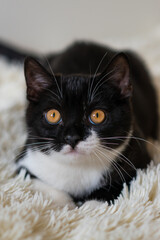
x=90 y=110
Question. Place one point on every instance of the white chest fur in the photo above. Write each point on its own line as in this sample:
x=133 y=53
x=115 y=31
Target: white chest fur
x=74 y=178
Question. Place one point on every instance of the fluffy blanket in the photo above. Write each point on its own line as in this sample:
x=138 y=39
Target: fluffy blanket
x=25 y=214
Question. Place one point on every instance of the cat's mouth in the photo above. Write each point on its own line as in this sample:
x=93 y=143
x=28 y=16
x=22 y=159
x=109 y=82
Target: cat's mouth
x=69 y=151
x=73 y=152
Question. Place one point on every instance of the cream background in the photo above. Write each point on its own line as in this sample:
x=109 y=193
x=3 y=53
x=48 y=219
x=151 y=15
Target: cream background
x=45 y=25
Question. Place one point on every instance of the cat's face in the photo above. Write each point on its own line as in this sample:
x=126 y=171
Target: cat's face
x=78 y=117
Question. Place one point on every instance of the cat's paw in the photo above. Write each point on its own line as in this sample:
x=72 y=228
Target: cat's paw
x=60 y=198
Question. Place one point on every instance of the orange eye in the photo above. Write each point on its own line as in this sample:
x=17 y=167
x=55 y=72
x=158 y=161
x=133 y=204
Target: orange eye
x=53 y=116
x=97 y=116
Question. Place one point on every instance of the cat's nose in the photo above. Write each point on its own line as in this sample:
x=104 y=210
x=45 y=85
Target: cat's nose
x=72 y=140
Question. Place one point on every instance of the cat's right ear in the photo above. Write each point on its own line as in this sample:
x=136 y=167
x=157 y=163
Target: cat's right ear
x=118 y=72
x=37 y=79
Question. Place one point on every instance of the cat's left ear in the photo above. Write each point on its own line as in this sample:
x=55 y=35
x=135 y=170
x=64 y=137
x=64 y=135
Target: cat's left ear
x=118 y=71
x=37 y=79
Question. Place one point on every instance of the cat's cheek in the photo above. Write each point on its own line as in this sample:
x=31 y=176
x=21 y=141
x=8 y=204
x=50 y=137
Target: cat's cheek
x=89 y=145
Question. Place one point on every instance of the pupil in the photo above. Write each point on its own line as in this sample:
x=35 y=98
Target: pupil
x=97 y=115
x=53 y=114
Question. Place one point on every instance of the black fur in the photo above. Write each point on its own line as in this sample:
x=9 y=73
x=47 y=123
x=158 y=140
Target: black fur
x=74 y=69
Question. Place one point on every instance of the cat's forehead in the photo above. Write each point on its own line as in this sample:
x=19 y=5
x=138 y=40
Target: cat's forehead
x=76 y=90
x=75 y=81
x=75 y=86
x=81 y=90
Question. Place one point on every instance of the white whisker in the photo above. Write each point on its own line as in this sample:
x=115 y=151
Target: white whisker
x=54 y=77
x=96 y=72
x=114 y=164
x=131 y=137
x=120 y=156
x=100 y=83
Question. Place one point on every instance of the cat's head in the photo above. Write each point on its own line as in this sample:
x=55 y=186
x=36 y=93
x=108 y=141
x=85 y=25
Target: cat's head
x=76 y=116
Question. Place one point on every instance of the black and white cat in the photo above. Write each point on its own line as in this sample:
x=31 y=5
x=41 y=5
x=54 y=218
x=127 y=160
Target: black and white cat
x=89 y=113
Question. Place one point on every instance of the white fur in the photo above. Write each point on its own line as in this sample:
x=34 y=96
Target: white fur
x=60 y=198
x=73 y=172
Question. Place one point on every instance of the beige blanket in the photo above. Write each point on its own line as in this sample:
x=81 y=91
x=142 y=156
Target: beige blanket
x=28 y=215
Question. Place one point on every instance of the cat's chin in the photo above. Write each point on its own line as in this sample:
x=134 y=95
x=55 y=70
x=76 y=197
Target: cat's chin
x=73 y=153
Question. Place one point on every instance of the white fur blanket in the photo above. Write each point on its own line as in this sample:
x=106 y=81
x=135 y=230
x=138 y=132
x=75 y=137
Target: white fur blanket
x=28 y=215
